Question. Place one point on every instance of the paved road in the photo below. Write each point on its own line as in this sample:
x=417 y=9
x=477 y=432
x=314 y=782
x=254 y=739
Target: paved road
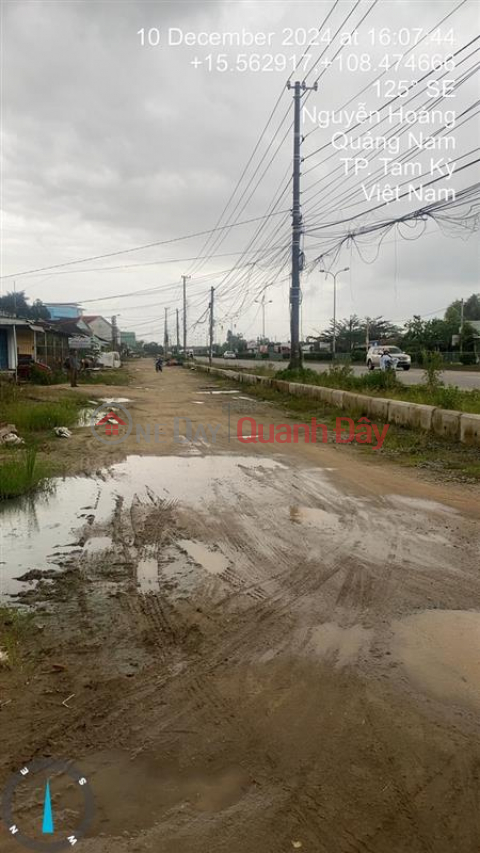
x=466 y=380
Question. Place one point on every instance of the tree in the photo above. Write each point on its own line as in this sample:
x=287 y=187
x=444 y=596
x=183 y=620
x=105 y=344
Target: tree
x=430 y=335
x=379 y=329
x=351 y=332
x=17 y=305
x=152 y=348
x=471 y=309
x=236 y=343
x=40 y=311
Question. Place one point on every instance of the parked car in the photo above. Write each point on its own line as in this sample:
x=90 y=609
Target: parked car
x=229 y=354
x=374 y=354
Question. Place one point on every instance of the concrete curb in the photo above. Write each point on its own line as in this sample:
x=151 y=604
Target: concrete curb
x=457 y=426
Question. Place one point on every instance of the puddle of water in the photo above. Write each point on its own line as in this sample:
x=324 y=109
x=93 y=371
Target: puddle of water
x=33 y=529
x=97 y=543
x=41 y=532
x=342 y=645
x=219 y=392
x=132 y=795
x=420 y=504
x=440 y=651
x=315 y=516
x=212 y=561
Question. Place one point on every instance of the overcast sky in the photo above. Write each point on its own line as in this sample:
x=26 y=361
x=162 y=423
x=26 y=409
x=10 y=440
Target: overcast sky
x=108 y=145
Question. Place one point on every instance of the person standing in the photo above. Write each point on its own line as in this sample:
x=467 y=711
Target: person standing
x=73 y=368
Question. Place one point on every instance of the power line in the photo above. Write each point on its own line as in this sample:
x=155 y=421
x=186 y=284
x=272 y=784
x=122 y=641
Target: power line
x=139 y=248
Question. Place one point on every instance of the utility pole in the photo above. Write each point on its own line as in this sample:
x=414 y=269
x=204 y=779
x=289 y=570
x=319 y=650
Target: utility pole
x=184 y=279
x=210 y=352
x=15 y=345
x=178 y=335
x=295 y=352
x=114 y=333
x=461 y=325
x=165 y=333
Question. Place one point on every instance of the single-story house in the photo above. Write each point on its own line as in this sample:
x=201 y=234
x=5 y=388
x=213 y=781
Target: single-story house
x=18 y=338
x=45 y=341
x=100 y=327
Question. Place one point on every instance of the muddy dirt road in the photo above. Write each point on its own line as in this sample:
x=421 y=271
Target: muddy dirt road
x=267 y=647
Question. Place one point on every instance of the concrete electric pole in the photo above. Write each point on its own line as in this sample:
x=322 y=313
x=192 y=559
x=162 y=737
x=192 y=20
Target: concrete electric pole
x=115 y=341
x=184 y=279
x=210 y=352
x=178 y=335
x=165 y=333
x=295 y=352
x=461 y=324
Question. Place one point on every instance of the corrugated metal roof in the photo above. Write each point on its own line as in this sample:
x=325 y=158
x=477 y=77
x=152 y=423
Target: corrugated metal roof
x=13 y=321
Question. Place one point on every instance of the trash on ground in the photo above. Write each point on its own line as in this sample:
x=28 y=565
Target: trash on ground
x=62 y=432
x=8 y=435
x=12 y=438
x=3 y=657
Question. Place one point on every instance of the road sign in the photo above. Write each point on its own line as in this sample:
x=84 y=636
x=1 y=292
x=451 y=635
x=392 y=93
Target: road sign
x=79 y=342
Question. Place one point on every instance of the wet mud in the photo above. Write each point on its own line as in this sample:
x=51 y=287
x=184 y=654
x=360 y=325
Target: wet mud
x=262 y=651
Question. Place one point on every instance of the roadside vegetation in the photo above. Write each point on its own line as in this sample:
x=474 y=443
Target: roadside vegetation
x=107 y=377
x=21 y=467
x=21 y=472
x=60 y=377
x=29 y=415
x=432 y=391
x=15 y=629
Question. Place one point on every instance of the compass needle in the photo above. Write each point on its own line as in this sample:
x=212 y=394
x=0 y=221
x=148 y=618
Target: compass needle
x=50 y=834
x=47 y=827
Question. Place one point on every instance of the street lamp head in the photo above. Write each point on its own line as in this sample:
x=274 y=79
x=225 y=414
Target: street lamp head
x=345 y=269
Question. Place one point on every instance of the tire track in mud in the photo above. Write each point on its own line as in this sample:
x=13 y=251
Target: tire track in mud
x=364 y=587
x=220 y=649
x=195 y=682
x=457 y=777
x=198 y=674
x=402 y=797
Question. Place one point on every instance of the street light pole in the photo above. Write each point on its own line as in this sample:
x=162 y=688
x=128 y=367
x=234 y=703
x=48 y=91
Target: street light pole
x=334 y=276
x=263 y=302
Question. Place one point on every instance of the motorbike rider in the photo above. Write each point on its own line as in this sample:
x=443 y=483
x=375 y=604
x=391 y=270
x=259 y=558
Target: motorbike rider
x=387 y=362
x=159 y=364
